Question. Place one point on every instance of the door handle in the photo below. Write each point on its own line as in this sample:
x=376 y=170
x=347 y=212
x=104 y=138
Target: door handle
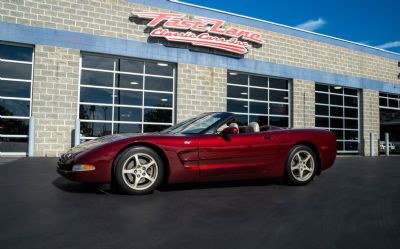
x=268 y=137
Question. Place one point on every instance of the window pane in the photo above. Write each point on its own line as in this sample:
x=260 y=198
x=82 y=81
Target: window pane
x=158 y=115
x=350 y=91
x=9 y=52
x=321 y=98
x=8 y=144
x=96 y=78
x=158 y=84
x=154 y=128
x=261 y=120
x=336 y=89
x=15 y=70
x=96 y=95
x=351 y=113
x=278 y=109
x=278 y=83
x=338 y=133
x=351 y=135
x=14 y=126
x=351 y=123
x=336 y=123
x=128 y=114
x=241 y=120
x=258 y=94
x=279 y=121
x=237 y=92
x=336 y=111
x=351 y=146
x=129 y=81
x=91 y=129
x=97 y=62
x=278 y=96
x=258 y=81
x=127 y=128
x=351 y=101
x=393 y=103
x=131 y=66
x=259 y=107
x=340 y=145
x=321 y=110
x=237 y=106
x=322 y=88
x=128 y=97
x=93 y=112
x=15 y=89
x=321 y=122
x=158 y=99
x=336 y=99
x=10 y=107
x=159 y=68
x=236 y=78
x=383 y=102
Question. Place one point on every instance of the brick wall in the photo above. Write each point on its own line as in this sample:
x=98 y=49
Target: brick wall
x=303 y=103
x=200 y=89
x=370 y=120
x=54 y=98
x=110 y=18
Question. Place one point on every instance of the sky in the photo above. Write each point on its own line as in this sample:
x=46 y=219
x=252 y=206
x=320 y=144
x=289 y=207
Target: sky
x=375 y=23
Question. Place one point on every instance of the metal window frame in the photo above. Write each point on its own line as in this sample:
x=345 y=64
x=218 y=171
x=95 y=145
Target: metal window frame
x=30 y=81
x=267 y=102
x=343 y=117
x=113 y=105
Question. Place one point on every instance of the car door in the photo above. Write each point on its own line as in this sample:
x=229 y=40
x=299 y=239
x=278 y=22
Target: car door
x=246 y=153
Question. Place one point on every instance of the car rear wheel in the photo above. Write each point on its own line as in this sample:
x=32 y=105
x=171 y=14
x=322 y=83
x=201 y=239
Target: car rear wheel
x=301 y=165
x=138 y=170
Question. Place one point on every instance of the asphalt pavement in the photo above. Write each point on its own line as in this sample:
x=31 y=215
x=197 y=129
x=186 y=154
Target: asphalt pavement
x=355 y=204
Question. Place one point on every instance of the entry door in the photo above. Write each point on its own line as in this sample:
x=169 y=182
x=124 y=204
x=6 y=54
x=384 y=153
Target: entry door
x=252 y=153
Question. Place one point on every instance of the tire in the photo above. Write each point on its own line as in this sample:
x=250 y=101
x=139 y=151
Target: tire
x=301 y=165
x=138 y=171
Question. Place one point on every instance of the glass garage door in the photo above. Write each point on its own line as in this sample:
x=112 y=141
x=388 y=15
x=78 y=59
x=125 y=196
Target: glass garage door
x=337 y=110
x=389 y=112
x=123 y=95
x=15 y=98
x=257 y=98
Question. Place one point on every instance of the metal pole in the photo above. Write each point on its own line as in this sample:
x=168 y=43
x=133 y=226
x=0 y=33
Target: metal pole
x=387 y=144
x=31 y=137
x=371 y=142
x=77 y=137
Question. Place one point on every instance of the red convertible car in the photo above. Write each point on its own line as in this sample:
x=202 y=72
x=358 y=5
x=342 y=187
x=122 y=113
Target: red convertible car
x=209 y=147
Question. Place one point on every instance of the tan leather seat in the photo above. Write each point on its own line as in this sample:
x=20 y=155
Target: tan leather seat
x=234 y=125
x=253 y=127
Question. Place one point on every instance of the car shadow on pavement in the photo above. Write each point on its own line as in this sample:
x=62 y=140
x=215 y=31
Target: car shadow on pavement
x=87 y=188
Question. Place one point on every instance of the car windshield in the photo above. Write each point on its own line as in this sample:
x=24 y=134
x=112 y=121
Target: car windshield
x=197 y=124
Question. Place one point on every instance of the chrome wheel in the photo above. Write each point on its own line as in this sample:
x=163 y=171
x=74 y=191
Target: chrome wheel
x=302 y=166
x=140 y=171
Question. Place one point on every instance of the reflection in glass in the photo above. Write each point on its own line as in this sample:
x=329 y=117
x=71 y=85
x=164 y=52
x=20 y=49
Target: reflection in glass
x=97 y=62
x=15 y=70
x=158 y=99
x=237 y=106
x=129 y=81
x=92 y=129
x=14 y=126
x=128 y=114
x=159 y=68
x=93 y=112
x=158 y=84
x=127 y=128
x=279 y=121
x=154 y=128
x=258 y=94
x=158 y=115
x=128 y=97
x=11 y=107
x=96 y=95
x=96 y=78
x=17 y=53
x=237 y=78
x=15 y=89
x=260 y=81
x=278 y=83
x=131 y=66
x=278 y=109
x=259 y=107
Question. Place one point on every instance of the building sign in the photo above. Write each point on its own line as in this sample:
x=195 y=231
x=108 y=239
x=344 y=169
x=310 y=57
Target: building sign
x=200 y=31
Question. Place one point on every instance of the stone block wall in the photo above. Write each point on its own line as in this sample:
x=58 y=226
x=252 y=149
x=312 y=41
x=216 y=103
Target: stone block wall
x=54 y=98
x=303 y=103
x=370 y=120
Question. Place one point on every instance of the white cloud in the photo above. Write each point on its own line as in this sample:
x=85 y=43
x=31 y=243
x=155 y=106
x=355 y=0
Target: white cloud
x=393 y=44
x=312 y=25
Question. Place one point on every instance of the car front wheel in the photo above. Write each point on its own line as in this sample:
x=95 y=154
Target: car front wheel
x=138 y=170
x=301 y=165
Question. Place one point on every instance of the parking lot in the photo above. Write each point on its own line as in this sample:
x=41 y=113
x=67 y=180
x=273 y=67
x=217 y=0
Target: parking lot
x=355 y=204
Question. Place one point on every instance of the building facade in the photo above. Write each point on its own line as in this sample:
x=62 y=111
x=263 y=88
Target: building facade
x=75 y=70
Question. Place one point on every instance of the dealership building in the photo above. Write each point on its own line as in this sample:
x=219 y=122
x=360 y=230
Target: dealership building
x=75 y=70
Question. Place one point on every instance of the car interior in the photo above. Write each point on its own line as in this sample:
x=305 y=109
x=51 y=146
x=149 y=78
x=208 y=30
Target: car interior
x=253 y=127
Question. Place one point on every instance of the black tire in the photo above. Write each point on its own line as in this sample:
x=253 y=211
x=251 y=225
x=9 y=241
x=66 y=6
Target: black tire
x=298 y=171
x=137 y=171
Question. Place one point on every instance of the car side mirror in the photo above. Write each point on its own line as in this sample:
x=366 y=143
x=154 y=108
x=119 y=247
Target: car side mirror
x=229 y=130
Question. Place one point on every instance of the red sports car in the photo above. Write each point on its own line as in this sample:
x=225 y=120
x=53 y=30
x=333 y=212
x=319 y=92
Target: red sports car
x=209 y=147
